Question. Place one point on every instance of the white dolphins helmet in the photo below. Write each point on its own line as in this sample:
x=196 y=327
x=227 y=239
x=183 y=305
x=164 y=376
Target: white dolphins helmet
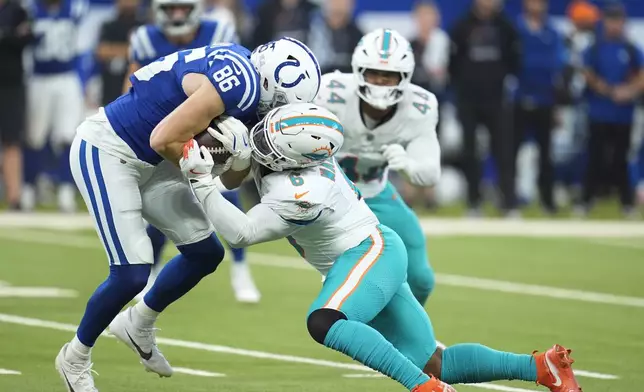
x=296 y=136
x=177 y=26
x=383 y=50
x=288 y=72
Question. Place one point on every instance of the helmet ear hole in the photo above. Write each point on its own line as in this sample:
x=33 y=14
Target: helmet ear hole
x=265 y=84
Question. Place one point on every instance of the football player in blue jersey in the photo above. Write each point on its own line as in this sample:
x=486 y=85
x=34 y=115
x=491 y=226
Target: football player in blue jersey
x=55 y=96
x=125 y=162
x=179 y=25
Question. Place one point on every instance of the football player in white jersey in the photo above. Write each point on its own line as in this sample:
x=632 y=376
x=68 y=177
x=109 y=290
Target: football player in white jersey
x=365 y=308
x=125 y=161
x=390 y=124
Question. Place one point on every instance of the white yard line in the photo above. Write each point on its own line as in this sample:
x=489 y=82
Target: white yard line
x=35 y=292
x=194 y=372
x=33 y=322
x=7 y=372
x=599 y=376
x=274 y=260
x=496 y=387
x=431 y=226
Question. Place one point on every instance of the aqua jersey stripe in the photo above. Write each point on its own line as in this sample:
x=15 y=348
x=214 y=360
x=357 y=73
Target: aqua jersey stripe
x=386 y=43
x=310 y=120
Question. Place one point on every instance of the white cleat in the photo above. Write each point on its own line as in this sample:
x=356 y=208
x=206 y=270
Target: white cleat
x=77 y=377
x=142 y=341
x=243 y=284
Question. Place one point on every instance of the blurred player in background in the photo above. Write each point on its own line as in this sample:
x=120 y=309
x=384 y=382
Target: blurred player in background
x=125 y=162
x=179 y=24
x=389 y=124
x=55 y=97
x=15 y=35
x=365 y=308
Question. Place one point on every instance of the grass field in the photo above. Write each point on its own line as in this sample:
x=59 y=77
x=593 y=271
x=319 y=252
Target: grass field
x=495 y=290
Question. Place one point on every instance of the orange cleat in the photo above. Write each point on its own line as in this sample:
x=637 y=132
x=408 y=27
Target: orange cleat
x=554 y=370
x=433 y=385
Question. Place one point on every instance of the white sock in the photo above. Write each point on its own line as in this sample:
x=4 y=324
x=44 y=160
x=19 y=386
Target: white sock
x=77 y=351
x=143 y=315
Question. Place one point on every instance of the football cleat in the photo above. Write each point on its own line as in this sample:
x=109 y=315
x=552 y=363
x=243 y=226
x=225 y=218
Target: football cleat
x=77 y=377
x=142 y=341
x=243 y=285
x=554 y=370
x=434 y=385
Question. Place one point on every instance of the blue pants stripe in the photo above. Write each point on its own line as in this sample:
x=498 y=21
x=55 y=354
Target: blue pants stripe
x=107 y=207
x=82 y=158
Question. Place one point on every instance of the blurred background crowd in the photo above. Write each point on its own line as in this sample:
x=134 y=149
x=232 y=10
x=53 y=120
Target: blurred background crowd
x=539 y=99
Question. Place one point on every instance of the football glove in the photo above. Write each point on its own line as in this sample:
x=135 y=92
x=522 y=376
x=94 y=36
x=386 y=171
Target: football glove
x=197 y=165
x=234 y=138
x=396 y=157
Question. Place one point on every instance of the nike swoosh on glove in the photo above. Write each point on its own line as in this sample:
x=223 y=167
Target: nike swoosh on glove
x=233 y=136
x=396 y=157
x=197 y=165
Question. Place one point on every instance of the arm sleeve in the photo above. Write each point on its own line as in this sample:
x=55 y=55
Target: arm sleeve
x=261 y=224
x=424 y=152
x=236 y=81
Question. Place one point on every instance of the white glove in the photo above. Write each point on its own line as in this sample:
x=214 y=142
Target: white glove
x=234 y=138
x=396 y=157
x=197 y=165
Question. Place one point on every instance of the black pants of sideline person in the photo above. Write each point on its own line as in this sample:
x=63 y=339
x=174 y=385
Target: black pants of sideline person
x=538 y=119
x=608 y=147
x=493 y=115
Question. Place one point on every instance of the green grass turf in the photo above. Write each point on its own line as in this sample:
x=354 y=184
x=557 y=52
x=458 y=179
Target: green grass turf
x=605 y=338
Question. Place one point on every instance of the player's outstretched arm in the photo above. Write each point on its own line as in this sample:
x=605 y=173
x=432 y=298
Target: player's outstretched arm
x=261 y=224
x=188 y=119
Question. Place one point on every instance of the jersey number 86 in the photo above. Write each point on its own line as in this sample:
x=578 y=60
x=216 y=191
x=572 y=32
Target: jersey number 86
x=226 y=79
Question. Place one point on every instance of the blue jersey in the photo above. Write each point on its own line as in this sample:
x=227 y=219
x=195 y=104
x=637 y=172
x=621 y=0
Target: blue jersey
x=55 y=50
x=156 y=91
x=148 y=42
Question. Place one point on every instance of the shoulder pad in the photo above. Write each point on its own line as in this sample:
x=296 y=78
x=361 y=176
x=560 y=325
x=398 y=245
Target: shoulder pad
x=335 y=88
x=297 y=195
x=142 y=49
x=420 y=103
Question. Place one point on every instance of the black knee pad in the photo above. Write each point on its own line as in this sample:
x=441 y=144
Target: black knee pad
x=320 y=322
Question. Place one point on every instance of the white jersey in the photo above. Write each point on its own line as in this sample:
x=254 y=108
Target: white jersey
x=413 y=126
x=330 y=208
